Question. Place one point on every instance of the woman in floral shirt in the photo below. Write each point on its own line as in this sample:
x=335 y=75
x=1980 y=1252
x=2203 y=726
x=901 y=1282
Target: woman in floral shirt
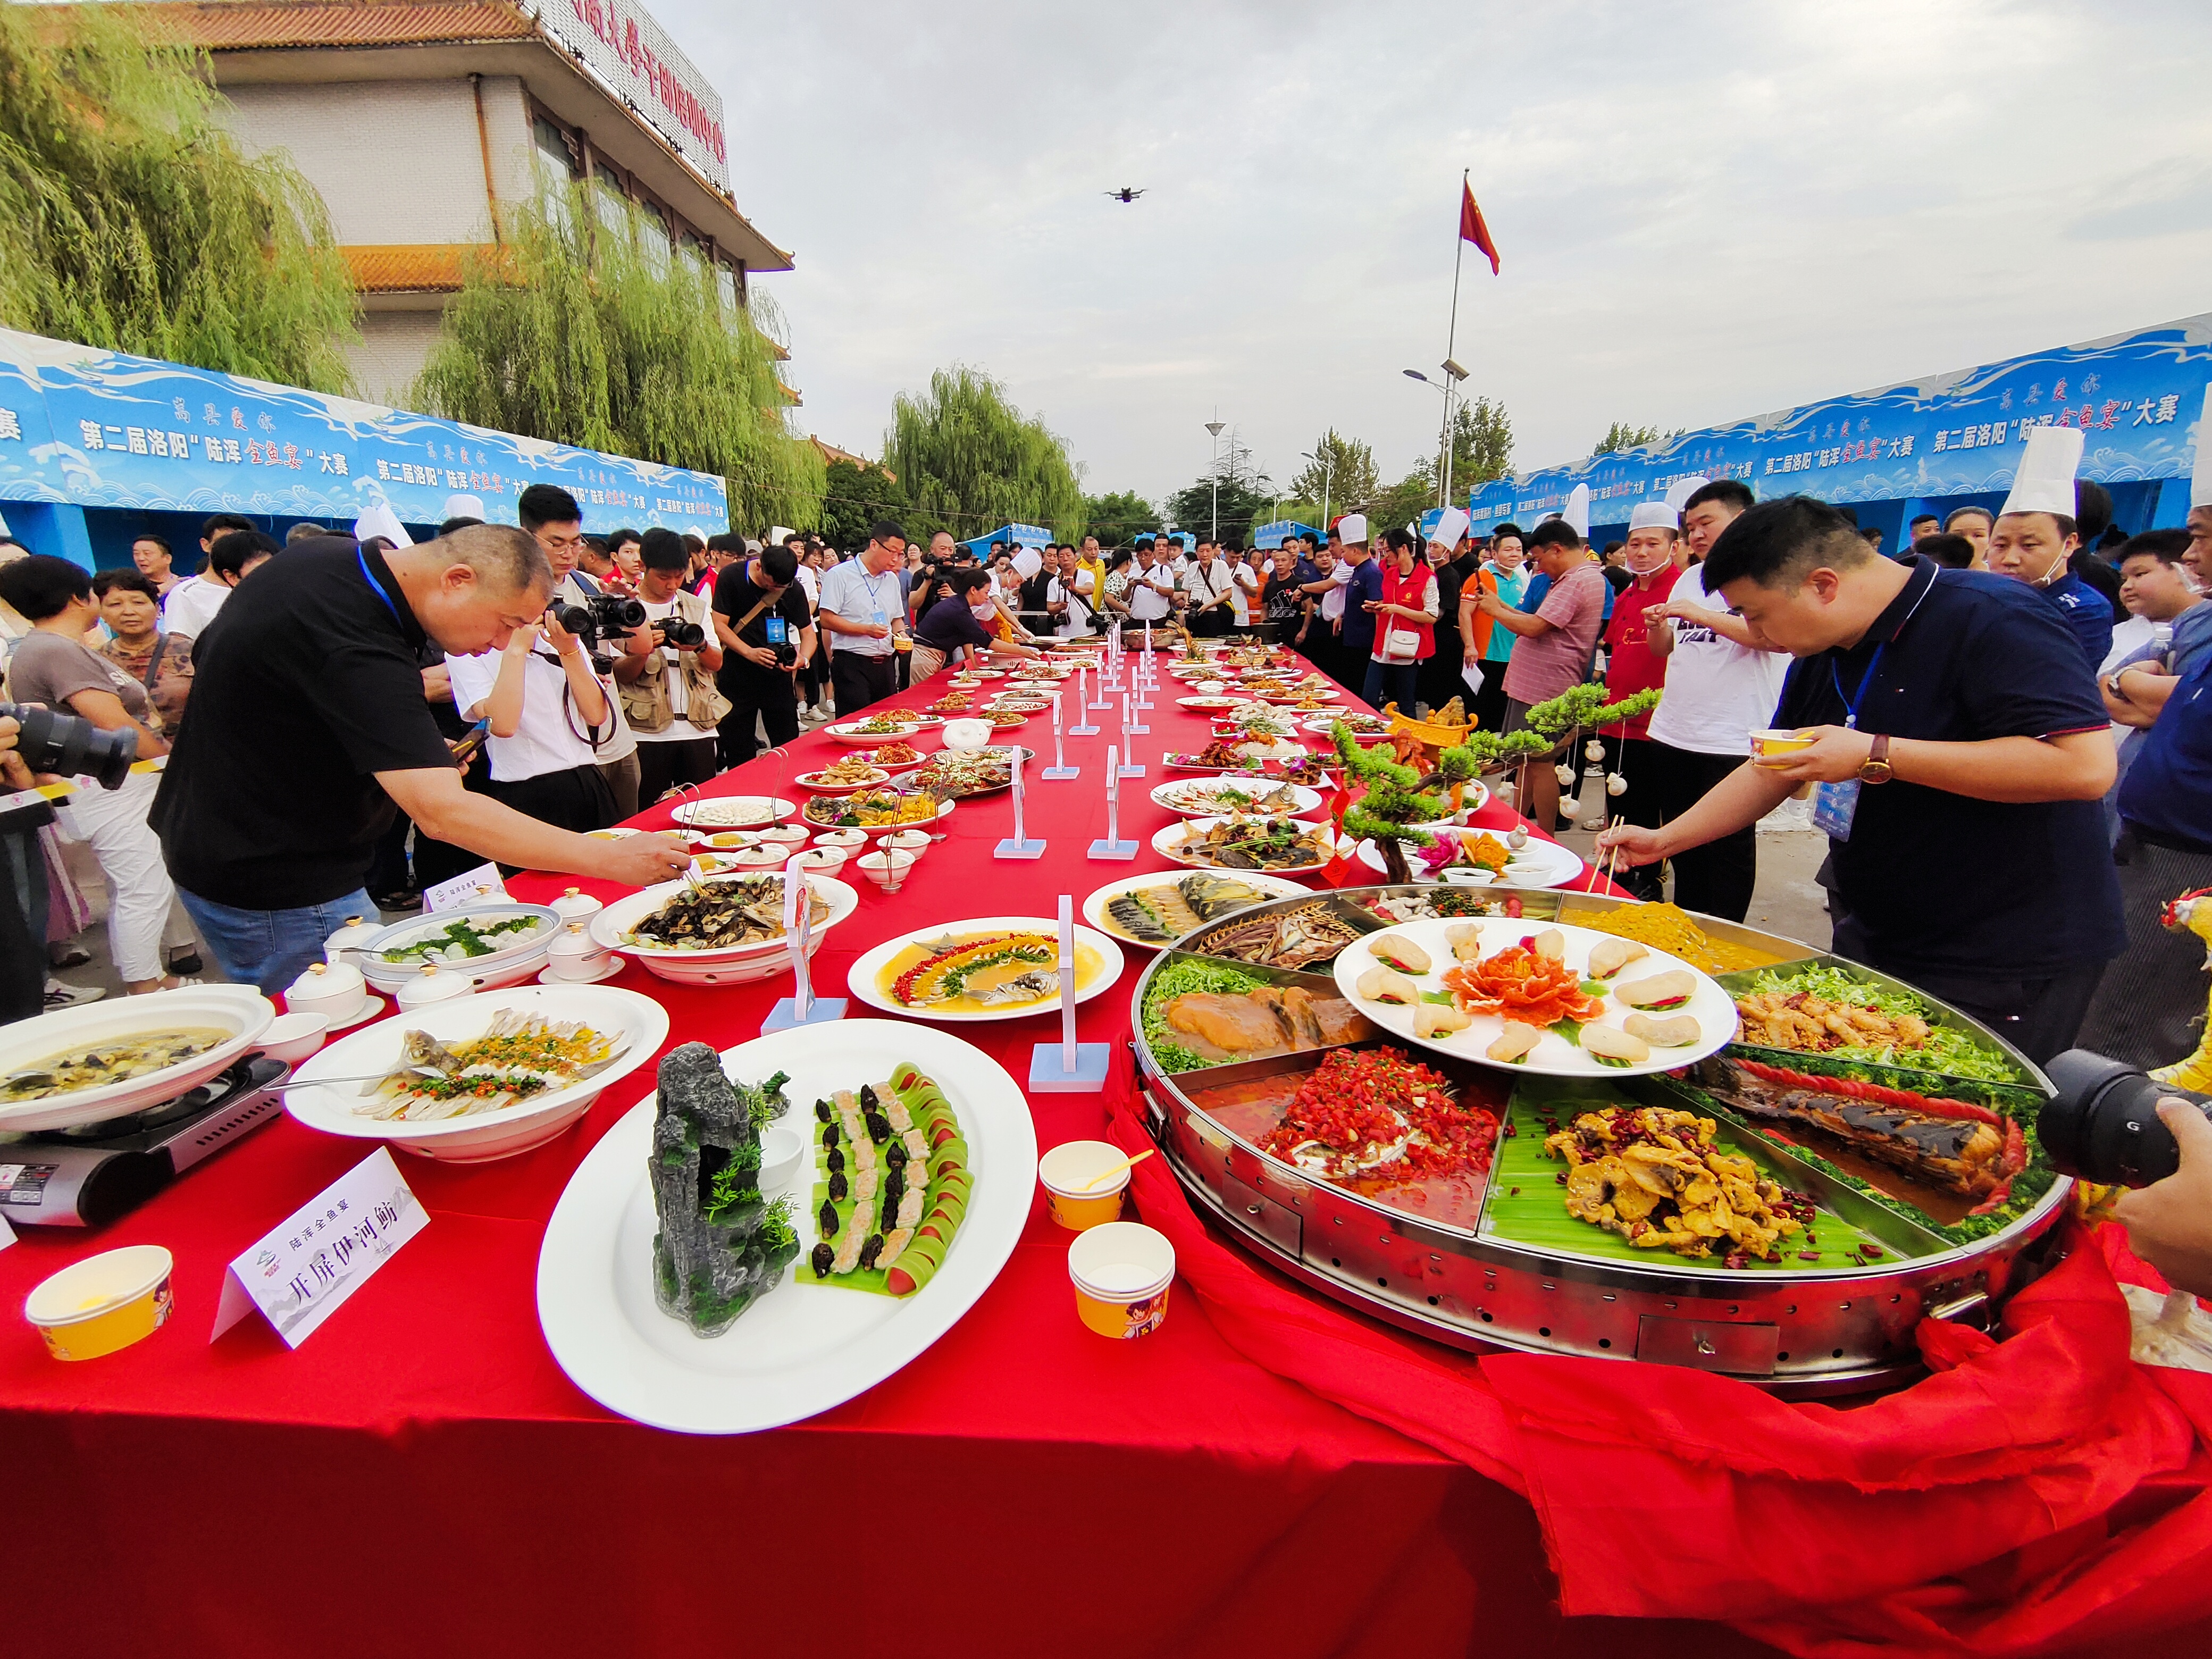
x=163 y=662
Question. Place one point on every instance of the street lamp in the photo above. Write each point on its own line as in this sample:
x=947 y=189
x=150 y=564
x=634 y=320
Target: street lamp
x=1454 y=374
x=1324 y=460
x=1213 y=429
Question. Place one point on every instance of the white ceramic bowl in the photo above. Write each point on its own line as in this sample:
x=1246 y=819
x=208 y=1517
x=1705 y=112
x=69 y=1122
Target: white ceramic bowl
x=887 y=869
x=508 y=964
x=781 y=1150
x=292 y=1037
x=763 y=856
x=825 y=860
x=481 y=1136
x=915 y=841
x=736 y=965
x=238 y=1010
x=850 y=840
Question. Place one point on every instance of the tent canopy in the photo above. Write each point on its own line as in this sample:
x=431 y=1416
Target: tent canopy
x=1275 y=534
x=1027 y=535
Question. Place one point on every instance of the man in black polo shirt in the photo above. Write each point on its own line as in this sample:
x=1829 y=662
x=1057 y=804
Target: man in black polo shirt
x=767 y=631
x=309 y=723
x=1971 y=858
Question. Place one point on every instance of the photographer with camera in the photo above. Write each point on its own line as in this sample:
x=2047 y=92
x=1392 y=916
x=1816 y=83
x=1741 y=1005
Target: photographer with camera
x=766 y=635
x=52 y=667
x=309 y=722
x=669 y=698
x=555 y=523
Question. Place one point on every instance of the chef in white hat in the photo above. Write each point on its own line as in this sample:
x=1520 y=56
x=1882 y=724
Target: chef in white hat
x=1358 y=582
x=1440 y=672
x=1632 y=667
x=2034 y=538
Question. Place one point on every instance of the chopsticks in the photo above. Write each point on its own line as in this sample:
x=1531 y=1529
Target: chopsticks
x=1609 y=863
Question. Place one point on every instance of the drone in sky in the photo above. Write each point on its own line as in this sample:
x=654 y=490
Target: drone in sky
x=1125 y=194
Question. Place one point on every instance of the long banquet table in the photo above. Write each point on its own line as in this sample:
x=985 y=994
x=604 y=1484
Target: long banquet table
x=420 y=1476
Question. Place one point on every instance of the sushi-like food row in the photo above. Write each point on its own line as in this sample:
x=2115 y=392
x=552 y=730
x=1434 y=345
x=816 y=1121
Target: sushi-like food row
x=893 y=1184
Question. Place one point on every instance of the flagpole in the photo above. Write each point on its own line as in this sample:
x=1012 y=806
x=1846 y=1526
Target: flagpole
x=1451 y=354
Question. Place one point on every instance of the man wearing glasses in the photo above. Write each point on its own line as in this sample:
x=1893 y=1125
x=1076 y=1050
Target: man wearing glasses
x=862 y=609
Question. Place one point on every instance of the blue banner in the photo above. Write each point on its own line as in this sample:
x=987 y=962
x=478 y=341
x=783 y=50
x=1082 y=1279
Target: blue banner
x=2137 y=396
x=98 y=429
x=1281 y=529
x=1029 y=535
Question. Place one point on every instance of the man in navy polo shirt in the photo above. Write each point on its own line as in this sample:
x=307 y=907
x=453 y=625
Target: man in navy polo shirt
x=1971 y=857
x=2148 y=1006
x=1363 y=582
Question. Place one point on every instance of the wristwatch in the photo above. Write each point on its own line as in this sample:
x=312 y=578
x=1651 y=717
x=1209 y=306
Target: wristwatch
x=1876 y=768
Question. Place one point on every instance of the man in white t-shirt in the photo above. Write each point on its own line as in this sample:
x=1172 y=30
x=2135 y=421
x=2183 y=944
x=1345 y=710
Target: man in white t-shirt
x=1068 y=596
x=1151 y=588
x=192 y=603
x=1720 y=687
x=674 y=719
x=1208 y=587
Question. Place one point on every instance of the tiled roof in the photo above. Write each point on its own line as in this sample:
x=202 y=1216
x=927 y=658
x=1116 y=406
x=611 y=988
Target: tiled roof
x=408 y=267
x=240 y=25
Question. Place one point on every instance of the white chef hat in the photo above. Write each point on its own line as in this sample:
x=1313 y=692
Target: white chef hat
x=465 y=507
x=2200 y=481
x=1028 y=562
x=1679 y=492
x=1654 y=515
x=2045 y=483
x=1352 y=528
x=1577 y=511
x=380 y=520
x=1450 y=526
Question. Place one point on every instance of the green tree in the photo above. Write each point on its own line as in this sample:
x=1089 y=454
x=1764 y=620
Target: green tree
x=1243 y=499
x=1622 y=436
x=134 y=221
x=969 y=461
x=854 y=498
x=583 y=329
x=1482 y=449
x=1120 y=517
x=1404 y=503
x=1341 y=476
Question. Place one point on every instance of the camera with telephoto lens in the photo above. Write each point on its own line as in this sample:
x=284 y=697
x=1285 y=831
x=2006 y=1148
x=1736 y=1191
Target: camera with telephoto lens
x=683 y=636
x=2103 y=1124
x=71 y=745
x=599 y=616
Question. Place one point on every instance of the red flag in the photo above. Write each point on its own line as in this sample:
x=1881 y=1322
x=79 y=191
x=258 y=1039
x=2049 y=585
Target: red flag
x=1472 y=227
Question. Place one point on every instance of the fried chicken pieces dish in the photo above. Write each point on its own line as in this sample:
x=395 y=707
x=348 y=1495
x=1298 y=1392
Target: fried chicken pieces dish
x=1773 y=1019
x=1653 y=1176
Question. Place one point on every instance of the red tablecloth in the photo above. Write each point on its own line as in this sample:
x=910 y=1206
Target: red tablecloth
x=419 y=1474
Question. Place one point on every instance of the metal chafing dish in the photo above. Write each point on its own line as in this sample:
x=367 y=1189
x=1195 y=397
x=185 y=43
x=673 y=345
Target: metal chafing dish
x=1796 y=1333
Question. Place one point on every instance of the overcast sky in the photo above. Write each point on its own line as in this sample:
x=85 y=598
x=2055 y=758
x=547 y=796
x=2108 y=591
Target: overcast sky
x=1705 y=210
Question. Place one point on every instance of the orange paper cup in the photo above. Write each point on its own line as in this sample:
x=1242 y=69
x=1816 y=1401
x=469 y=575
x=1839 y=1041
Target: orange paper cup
x=1122 y=1271
x=104 y=1302
x=1769 y=740
x=1065 y=1169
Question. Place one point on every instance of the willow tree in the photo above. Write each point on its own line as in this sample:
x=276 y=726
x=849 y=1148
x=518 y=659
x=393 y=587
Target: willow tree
x=133 y=221
x=584 y=328
x=969 y=461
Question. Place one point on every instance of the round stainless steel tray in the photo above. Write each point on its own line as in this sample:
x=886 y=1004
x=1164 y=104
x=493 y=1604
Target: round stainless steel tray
x=1798 y=1333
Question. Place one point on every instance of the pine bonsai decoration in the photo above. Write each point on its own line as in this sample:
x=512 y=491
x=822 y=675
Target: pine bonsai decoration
x=1397 y=798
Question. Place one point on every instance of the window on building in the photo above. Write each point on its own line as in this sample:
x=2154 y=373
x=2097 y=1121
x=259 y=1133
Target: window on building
x=556 y=152
x=726 y=279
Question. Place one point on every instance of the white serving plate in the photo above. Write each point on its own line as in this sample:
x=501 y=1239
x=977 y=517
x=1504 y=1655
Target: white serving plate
x=861 y=977
x=1539 y=863
x=481 y=1136
x=1304 y=800
x=701 y=814
x=1208 y=702
x=509 y=965
x=238 y=1009
x=944 y=811
x=1094 y=907
x=1168 y=843
x=1553 y=1055
x=1325 y=725
x=804 y=1348
x=817 y=784
x=736 y=964
x=849 y=732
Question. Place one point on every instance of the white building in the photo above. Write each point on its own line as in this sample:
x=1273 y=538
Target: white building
x=422 y=124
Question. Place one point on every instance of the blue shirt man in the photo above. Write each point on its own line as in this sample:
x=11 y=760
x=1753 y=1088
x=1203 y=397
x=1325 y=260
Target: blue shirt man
x=1366 y=585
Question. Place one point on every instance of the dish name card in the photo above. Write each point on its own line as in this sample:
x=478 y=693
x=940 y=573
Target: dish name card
x=472 y=887
x=299 y=1274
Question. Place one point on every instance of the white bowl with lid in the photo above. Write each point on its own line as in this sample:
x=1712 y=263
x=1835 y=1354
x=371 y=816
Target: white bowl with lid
x=432 y=985
x=347 y=944
x=576 y=905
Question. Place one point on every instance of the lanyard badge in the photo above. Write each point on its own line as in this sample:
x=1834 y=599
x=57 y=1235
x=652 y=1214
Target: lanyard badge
x=1835 y=806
